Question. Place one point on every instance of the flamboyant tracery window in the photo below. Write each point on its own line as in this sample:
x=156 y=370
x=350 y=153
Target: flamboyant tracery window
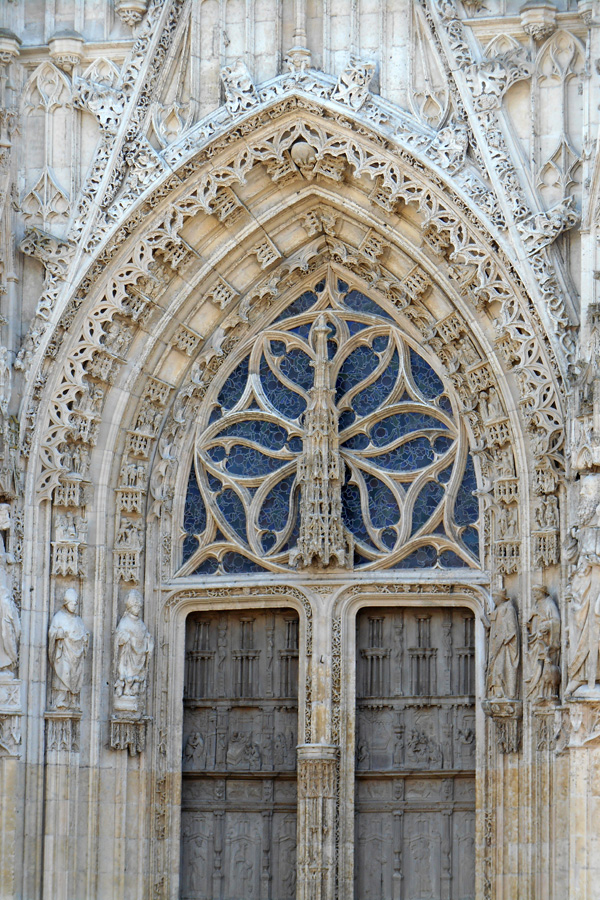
x=330 y=441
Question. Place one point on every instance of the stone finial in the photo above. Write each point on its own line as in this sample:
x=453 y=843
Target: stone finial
x=538 y=19
x=66 y=49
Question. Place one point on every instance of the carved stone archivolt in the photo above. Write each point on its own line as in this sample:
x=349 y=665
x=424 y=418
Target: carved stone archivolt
x=200 y=242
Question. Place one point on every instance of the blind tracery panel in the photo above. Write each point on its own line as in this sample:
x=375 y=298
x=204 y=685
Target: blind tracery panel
x=330 y=413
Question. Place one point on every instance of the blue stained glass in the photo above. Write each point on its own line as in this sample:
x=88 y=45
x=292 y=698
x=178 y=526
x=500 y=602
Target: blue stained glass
x=342 y=286
x=280 y=506
x=295 y=444
x=209 y=566
x=446 y=474
x=355 y=327
x=261 y=431
x=470 y=538
x=217 y=454
x=426 y=504
x=268 y=541
x=237 y=564
x=389 y=537
x=352 y=513
x=233 y=511
x=376 y=394
x=442 y=444
x=233 y=388
x=194 y=516
x=303 y=330
x=346 y=419
x=380 y=343
x=387 y=430
x=422 y=558
x=466 y=508
x=383 y=508
x=301 y=305
x=451 y=560
x=358 y=441
x=444 y=403
x=428 y=382
x=248 y=462
x=408 y=457
x=213 y=483
x=288 y=403
x=296 y=366
x=190 y=545
x=359 y=303
x=355 y=368
x=293 y=538
x=276 y=508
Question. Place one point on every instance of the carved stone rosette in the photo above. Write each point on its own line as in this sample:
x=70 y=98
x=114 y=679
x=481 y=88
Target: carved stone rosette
x=507 y=716
x=317 y=771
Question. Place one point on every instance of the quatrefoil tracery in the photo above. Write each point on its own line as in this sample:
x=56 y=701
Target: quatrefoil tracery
x=406 y=490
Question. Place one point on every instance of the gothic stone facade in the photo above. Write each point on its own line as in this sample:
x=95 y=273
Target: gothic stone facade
x=299 y=450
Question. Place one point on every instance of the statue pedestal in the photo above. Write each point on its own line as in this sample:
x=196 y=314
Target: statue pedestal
x=128 y=732
x=10 y=716
x=507 y=716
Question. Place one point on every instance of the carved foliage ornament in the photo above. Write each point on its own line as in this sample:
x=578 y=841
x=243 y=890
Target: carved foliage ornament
x=330 y=431
x=487 y=279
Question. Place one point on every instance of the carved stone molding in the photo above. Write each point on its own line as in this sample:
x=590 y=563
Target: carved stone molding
x=128 y=734
x=507 y=716
x=62 y=730
x=10 y=717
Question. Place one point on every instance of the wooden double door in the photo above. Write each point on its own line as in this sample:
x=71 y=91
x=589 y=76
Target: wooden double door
x=414 y=755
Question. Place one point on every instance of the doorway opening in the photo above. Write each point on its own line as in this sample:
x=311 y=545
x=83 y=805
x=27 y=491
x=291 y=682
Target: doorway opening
x=238 y=806
x=415 y=754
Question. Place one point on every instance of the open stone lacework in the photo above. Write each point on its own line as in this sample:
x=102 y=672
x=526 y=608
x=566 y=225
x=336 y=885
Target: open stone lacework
x=330 y=409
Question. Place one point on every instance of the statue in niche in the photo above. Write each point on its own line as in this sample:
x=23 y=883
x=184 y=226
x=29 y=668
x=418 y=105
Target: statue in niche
x=543 y=640
x=490 y=405
x=584 y=629
x=133 y=649
x=5 y=380
x=279 y=750
x=363 y=754
x=193 y=754
x=504 y=653
x=10 y=633
x=68 y=640
x=6 y=559
x=588 y=532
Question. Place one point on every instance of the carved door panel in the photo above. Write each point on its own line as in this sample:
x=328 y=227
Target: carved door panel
x=415 y=755
x=238 y=817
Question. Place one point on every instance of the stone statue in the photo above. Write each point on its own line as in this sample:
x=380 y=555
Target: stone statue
x=68 y=640
x=504 y=650
x=584 y=628
x=10 y=632
x=133 y=649
x=588 y=530
x=5 y=380
x=543 y=640
x=6 y=559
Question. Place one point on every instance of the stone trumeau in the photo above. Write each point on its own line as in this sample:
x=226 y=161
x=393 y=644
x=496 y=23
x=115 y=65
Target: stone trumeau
x=299 y=450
